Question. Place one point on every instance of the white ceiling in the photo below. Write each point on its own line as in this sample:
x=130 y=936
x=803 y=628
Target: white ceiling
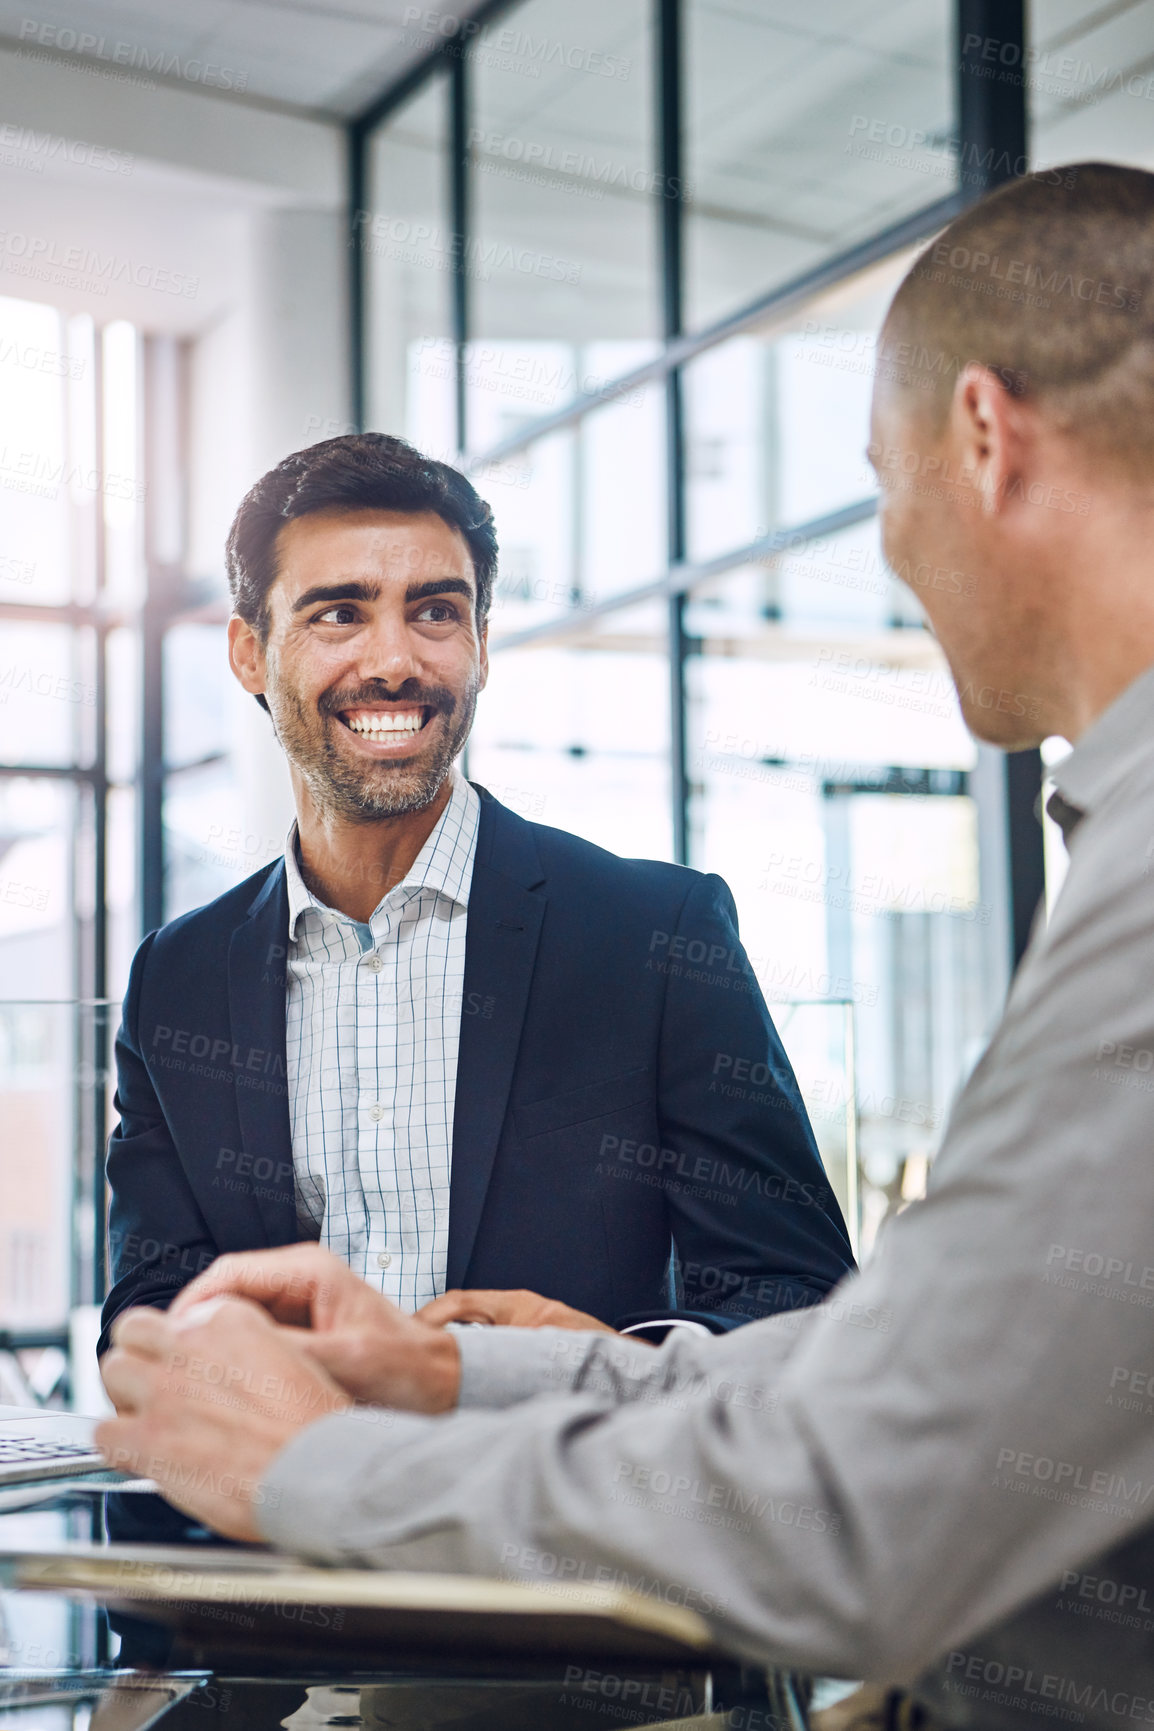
x=322 y=56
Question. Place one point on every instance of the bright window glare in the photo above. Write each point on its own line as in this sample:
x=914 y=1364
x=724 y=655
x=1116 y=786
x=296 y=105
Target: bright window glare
x=824 y=387
x=123 y=484
x=34 y=364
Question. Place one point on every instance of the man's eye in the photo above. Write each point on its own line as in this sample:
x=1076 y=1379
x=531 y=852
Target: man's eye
x=438 y=612
x=341 y=615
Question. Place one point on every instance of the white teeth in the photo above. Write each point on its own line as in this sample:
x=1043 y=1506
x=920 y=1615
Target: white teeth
x=383 y=726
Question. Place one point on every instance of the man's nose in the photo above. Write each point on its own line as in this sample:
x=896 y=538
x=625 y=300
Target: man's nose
x=388 y=651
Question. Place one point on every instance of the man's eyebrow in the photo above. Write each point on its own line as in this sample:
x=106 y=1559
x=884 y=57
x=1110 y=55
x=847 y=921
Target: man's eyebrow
x=439 y=586
x=353 y=590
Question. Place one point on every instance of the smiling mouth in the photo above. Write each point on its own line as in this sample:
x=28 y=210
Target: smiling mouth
x=387 y=726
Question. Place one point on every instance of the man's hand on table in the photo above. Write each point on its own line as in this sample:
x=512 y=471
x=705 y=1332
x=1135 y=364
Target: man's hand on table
x=206 y=1401
x=508 y=1310
x=372 y=1350
x=265 y=1343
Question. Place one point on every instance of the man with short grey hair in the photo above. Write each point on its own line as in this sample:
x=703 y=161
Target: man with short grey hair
x=942 y=1476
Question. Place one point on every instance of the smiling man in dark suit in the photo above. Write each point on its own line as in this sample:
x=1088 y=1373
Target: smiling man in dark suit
x=459 y=1049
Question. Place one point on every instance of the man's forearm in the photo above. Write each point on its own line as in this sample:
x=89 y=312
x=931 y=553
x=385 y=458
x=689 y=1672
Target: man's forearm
x=657 y=1494
x=501 y=1367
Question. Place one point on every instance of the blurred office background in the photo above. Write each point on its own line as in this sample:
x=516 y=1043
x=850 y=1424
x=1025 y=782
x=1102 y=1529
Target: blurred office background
x=625 y=260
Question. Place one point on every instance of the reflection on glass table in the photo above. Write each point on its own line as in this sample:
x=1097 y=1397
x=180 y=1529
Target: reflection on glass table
x=57 y=1674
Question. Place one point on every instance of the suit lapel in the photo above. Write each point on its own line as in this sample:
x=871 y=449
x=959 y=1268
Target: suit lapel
x=502 y=933
x=256 y=1002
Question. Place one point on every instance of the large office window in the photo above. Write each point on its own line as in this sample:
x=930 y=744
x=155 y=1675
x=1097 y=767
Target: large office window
x=71 y=576
x=1088 y=77
x=404 y=234
x=699 y=652
x=806 y=130
x=828 y=761
x=563 y=270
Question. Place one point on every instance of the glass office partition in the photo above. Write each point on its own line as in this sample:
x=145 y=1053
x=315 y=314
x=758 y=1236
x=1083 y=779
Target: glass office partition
x=54 y=1104
x=1088 y=75
x=405 y=234
x=804 y=132
x=563 y=284
x=577 y=735
x=829 y=785
x=818 y=1036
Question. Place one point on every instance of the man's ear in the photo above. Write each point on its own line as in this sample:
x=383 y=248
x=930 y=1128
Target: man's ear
x=986 y=430
x=246 y=656
x=484 y=656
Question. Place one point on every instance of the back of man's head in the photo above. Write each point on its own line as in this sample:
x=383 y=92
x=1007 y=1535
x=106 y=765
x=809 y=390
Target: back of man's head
x=1049 y=283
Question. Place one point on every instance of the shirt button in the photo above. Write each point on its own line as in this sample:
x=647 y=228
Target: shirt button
x=376 y=1113
x=374 y=963
x=384 y=1259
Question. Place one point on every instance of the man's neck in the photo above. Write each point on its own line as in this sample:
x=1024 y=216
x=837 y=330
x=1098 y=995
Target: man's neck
x=1107 y=626
x=351 y=866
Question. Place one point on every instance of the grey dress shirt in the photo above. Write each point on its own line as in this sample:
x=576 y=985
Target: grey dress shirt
x=959 y=1440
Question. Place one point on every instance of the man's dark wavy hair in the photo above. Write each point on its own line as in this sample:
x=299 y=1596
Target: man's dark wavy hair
x=357 y=472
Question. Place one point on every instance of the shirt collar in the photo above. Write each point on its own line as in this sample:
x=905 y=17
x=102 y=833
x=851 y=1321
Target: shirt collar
x=444 y=864
x=1106 y=755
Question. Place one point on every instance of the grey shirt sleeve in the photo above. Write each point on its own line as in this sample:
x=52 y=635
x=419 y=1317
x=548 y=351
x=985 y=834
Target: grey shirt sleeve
x=503 y=1366
x=941 y=1438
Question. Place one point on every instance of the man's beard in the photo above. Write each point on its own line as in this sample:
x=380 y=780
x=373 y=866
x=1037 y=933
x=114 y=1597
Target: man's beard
x=369 y=791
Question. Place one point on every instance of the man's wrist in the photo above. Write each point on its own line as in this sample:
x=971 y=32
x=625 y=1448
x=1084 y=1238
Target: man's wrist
x=500 y=1367
x=444 y=1383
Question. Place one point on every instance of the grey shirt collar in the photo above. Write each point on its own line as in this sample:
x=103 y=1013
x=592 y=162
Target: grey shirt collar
x=1108 y=752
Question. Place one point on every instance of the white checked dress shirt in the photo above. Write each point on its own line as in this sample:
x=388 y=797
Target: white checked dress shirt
x=373 y=1021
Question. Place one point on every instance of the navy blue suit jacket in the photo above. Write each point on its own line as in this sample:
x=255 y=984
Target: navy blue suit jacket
x=605 y=1000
